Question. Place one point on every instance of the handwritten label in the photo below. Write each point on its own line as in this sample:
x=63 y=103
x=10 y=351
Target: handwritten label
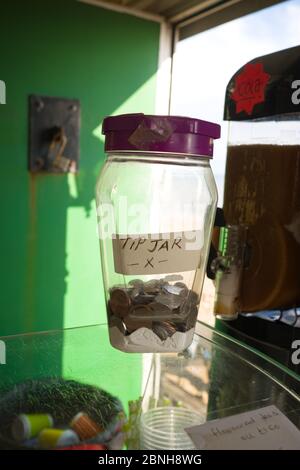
x=263 y=429
x=157 y=254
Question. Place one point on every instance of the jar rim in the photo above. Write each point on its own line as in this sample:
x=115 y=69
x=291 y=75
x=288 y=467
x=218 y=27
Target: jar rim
x=152 y=153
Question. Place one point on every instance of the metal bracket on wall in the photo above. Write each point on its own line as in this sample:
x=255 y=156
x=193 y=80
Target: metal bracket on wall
x=53 y=135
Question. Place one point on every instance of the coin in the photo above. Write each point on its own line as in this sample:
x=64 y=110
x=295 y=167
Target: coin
x=170 y=300
x=155 y=305
x=143 y=299
x=119 y=302
x=185 y=307
x=163 y=329
x=140 y=311
x=160 y=310
x=152 y=286
x=173 y=289
x=139 y=317
x=184 y=288
x=190 y=301
x=192 y=318
x=193 y=297
x=180 y=284
x=136 y=291
x=136 y=283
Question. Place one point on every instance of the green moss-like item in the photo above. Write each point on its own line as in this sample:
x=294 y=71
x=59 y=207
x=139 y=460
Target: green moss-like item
x=62 y=399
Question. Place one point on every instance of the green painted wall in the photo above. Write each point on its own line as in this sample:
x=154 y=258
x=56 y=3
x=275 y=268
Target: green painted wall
x=82 y=354
x=50 y=263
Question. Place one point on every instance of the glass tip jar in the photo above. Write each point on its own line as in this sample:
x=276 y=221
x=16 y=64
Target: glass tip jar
x=156 y=201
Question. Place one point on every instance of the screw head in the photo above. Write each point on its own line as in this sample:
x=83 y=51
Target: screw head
x=73 y=108
x=39 y=105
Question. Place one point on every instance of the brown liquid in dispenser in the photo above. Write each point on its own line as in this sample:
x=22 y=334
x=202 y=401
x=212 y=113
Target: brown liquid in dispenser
x=262 y=191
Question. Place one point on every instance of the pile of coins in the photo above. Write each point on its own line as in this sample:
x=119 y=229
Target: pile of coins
x=156 y=304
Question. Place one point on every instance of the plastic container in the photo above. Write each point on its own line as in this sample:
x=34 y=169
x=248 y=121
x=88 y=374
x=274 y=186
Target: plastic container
x=156 y=201
x=164 y=428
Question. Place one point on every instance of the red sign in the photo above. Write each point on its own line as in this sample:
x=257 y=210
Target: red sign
x=249 y=87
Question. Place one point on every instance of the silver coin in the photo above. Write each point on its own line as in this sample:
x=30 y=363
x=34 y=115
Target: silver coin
x=152 y=287
x=180 y=284
x=173 y=289
x=193 y=297
x=185 y=308
x=163 y=329
x=160 y=311
x=184 y=288
x=136 y=283
x=192 y=318
x=162 y=282
x=170 y=300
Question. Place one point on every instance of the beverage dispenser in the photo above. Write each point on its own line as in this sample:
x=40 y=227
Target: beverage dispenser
x=257 y=268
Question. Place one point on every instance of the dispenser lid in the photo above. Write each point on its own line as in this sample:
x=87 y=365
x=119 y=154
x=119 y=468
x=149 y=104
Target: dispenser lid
x=266 y=87
x=160 y=134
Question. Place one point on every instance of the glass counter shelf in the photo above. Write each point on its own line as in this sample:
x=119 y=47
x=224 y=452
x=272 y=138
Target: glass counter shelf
x=216 y=377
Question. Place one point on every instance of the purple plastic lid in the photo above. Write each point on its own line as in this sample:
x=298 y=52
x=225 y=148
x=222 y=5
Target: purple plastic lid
x=162 y=134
